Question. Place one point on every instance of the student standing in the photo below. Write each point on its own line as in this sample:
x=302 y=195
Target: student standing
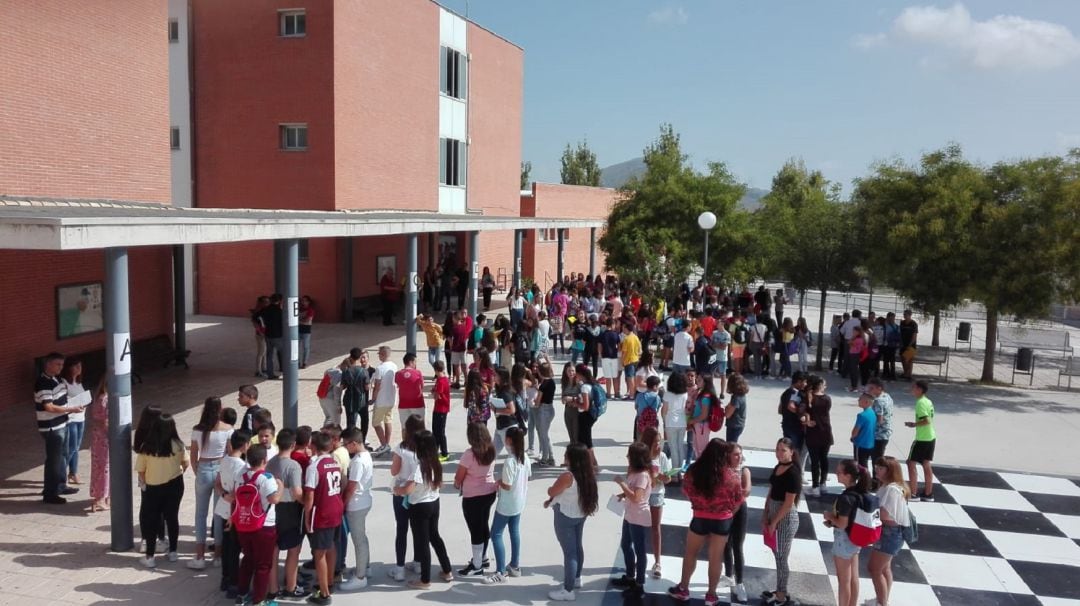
x=510 y=502
x=289 y=516
x=636 y=518
x=781 y=516
x=573 y=498
x=856 y=482
x=819 y=436
x=922 y=449
x=674 y=412
x=402 y=466
x=698 y=424
x=545 y=412
x=384 y=396
x=323 y=509
x=422 y=489
x=893 y=496
x=99 y=448
x=161 y=463
x=475 y=478
x=733 y=551
x=208 y=441
x=883 y=411
x=630 y=355
x=258 y=492
x=660 y=475
x=477 y=398
x=735 y=412
x=229 y=472
x=862 y=435
x=570 y=392
x=357 y=506
x=77 y=396
x=355 y=390
x=410 y=387
x=440 y=392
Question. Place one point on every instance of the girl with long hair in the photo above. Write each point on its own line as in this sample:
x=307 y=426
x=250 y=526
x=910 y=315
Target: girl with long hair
x=673 y=411
x=99 y=448
x=161 y=463
x=570 y=391
x=513 y=489
x=77 y=395
x=735 y=412
x=803 y=340
x=147 y=418
x=573 y=497
x=584 y=402
x=819 y=436
x=545 y=411
x=504 y=406
x=209 y=439
x=856 y=481
x=781 y=516
x=477 y=398
x=698 y=424
x=715 y=493
x=422 y=489
x=892 y=497
x=733 y=552
x=475 y=478
x=660 y=474
x=402 y=467
x=635 y=489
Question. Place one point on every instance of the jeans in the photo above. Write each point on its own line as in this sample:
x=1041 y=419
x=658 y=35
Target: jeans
x=497 y=525
x=255 y=568
x=273 y=350
x=633 y=549
x=305 y=347
x=204 y=490
x=424 y=519
x=55 y=460
x=401 y=536
x=73 y=441
x=438 y=427
x=543 y=416
x=433 y=355
x=570 y=532
x=733 y=433
x=358 y=530
x=342 y=544
x=516 y=316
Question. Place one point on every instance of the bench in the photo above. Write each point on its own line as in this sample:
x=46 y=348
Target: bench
x=933 y=356
x=362 y=306
x=1016 y=337
x=1072 y=369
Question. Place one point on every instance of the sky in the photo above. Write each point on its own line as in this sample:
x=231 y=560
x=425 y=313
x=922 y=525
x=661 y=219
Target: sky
x=840 y=84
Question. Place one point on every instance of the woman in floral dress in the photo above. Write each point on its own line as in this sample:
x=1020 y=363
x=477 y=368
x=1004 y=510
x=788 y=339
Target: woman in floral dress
x=99 y=448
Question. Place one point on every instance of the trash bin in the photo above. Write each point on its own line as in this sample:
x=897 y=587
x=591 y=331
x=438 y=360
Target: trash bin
x=963 y=332
x=1024 y=359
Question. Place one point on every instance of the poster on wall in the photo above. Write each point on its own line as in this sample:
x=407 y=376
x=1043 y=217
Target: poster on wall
x=382 y=265
x=448 y=250
x=78 y=309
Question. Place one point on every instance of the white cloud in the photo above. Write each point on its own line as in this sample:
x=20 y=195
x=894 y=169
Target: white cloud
x=669 y=15
x=1002 y=41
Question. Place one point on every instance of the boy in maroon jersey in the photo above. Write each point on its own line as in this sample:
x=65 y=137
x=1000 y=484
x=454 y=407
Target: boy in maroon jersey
x=323 y=508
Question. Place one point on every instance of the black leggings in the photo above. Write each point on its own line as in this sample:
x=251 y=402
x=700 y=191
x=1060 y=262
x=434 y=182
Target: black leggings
x=161 y=501
x=584 y=432
x=477 y=511
x=733 y=551
x=438 y=427
x=401 y=535
x=424 y=519
x=819 y=464
x=362 y=412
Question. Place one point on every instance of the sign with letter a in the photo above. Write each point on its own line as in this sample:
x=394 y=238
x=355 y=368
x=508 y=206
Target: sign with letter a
x=122 y=353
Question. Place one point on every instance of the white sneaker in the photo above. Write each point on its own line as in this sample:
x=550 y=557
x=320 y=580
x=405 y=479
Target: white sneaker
x=353 y=584
x=495 y=579
x=513 y=572
x=148 y=562
x=413 y=567
x=397 y=573
x=197 y=564
x=812 y=492
x=173 y=556
x=562 y=595
x=739 y=593
x=725 y=582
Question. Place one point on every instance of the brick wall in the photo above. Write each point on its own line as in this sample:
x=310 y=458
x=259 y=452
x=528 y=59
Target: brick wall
x=28 y=320
x=85 y=110
x=550 y=200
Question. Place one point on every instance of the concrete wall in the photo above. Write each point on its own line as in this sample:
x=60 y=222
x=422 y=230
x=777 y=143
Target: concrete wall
x=85 y=99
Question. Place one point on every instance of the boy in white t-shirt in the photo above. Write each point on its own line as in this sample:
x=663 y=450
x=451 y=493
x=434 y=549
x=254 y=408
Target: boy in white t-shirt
x=232 y=467
x=357 y=505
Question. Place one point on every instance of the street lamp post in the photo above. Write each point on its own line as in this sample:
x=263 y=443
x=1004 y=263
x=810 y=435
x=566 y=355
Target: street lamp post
x=706 y=221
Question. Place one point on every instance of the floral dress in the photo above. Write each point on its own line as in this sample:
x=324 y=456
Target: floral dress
x=99 y=447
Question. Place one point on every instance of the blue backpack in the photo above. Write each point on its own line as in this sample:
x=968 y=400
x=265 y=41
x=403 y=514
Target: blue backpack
x=597 y=401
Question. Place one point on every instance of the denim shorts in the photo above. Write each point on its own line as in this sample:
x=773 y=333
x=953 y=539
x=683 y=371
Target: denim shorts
x=842 y=546
x=892 y=539
x=630 y=370
x=656 y=499
x=705 y=526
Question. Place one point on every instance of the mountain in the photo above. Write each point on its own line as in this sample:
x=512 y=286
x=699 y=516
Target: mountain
x=619 y=174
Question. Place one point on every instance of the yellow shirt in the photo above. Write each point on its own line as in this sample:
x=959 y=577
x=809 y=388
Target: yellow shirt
x=341 y=455
x=160 y=470
x=434 y=334
x=631 y=349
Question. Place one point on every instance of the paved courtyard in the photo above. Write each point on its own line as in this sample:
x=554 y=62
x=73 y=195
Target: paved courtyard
x=1019 y=525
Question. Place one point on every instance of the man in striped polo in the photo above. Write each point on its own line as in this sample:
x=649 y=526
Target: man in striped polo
x=50 y=403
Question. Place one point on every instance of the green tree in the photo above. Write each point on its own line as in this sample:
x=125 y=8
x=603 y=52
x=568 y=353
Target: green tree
x=807 y=235
x=579 y=166
x=652 y=232
x=526 y=172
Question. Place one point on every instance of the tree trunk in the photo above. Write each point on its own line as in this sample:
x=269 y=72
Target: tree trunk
x=937 y=329
x=820 y=331
x=991 y=345
x=802 y=298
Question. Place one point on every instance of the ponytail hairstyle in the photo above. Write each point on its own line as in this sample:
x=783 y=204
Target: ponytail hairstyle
x=208 y=420
x=860 y=473
x=579 y=463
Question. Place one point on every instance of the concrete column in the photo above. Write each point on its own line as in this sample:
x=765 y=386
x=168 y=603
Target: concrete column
x=346 y=278
x=279 y=267
x=559 y=267
x=592 y=252
x=290 y=319
x=118 y=356
x=474 y=270
x=519 y=236
x=411 y=281
x=179 y=299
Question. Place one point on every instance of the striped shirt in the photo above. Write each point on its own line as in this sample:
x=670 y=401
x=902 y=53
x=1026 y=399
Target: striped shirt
x=50 y=390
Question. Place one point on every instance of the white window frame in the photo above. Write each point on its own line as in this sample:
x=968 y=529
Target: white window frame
x=283 y=136
x=453 y=73
x=453 y=162
x=174 y=31
x=551 y=234
x=174 y=137
x=283 y=18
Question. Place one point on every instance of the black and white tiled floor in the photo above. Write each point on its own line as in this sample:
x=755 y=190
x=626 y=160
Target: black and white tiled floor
x=989 y=538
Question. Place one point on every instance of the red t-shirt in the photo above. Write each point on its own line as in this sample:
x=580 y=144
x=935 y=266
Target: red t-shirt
x=324 y=478
x=461 y=336
x=442 y=394
x=302 y=458
x=389 y=288
x=708 y=325
x=410 y=385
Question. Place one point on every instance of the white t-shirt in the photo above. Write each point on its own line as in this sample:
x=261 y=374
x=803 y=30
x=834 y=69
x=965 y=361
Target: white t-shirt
x=512 y=502
x=229 y=475
x=408 y=465
x=422 y=493
x=545 y=331
x=891 y=499
x=215 y=444
x=645 y=373
x=384 y=375
x=77 y=396
x=661 y=464
x=568 y=502
x=848 y=328
x=676 y=410
x=681 y=353
x=361 y=471
x=518 y=303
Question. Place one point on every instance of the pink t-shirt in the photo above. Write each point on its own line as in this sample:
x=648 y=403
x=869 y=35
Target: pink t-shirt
x=638 y=513
x=480 y=479
x=410 y=384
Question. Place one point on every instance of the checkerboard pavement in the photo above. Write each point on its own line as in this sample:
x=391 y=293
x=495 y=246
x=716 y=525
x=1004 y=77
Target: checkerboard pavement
x=989 y=538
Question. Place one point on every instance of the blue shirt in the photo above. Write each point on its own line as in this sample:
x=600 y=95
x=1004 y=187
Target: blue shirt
x=864 y=423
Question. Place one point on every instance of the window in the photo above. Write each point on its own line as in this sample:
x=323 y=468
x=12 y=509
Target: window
x=302 y=249
x=452 y=72
x=294 y=137
x=174 y=31
x=551 y=235
x=452 y=159
x=174 y=137
x=293 y=23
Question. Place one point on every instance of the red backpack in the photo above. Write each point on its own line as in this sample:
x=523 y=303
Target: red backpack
x=324 y=386
x=716 y=416
x=248 y=514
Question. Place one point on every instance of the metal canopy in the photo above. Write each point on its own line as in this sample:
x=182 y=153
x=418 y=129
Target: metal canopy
x=51 y=224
